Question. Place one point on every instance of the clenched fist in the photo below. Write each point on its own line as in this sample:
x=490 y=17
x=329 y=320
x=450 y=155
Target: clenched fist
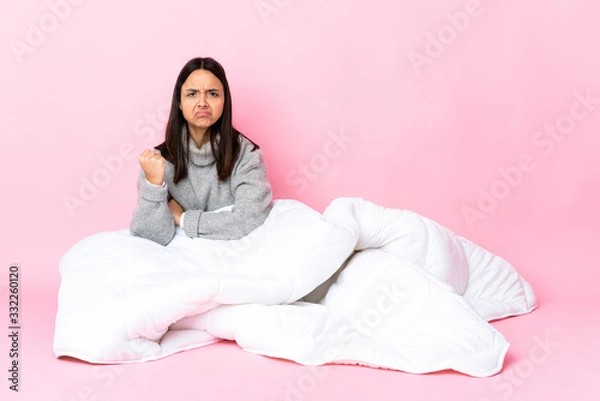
x=154 y=166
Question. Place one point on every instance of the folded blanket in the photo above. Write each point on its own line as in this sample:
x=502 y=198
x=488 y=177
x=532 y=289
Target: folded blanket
x=359 y=284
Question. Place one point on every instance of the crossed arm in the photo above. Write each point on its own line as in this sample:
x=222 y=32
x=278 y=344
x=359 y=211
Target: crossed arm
x=157 y=216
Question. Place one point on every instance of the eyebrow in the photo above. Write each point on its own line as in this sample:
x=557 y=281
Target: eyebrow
x=197 y=90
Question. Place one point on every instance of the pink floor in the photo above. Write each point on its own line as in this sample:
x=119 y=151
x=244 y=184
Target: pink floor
x=554 y=354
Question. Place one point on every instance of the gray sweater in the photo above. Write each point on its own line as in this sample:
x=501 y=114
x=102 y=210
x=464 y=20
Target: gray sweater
x=247 y=189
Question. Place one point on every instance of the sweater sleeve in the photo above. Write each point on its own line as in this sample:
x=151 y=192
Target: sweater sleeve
x=152 y=219
x=252 y=194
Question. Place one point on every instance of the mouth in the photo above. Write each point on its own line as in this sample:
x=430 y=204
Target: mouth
x=202 y=114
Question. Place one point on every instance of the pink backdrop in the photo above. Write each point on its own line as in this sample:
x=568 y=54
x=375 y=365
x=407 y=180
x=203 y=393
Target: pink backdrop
x=482 y=115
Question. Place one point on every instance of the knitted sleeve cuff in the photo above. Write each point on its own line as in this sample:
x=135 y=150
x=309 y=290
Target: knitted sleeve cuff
x=153 y=193
x=192 y=222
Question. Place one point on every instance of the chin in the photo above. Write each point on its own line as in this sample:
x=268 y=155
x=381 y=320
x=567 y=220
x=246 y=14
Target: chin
x=203 y=124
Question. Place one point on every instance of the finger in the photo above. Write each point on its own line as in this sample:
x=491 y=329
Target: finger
x=143 y=157
x=150 y=155
x=147 y=154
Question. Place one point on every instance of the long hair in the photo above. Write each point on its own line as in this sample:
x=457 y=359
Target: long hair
x=224 y=138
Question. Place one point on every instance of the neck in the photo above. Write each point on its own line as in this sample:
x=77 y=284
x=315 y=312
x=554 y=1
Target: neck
x=199 y=135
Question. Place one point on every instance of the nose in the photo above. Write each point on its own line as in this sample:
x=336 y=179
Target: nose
x=202 y=100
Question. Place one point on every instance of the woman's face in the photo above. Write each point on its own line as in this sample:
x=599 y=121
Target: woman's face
x=202 y=99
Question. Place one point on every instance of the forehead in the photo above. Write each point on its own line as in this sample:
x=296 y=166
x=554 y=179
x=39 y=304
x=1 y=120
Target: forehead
x=202 y=79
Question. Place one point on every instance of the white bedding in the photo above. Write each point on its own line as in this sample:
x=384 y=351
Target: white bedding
x=360 y=284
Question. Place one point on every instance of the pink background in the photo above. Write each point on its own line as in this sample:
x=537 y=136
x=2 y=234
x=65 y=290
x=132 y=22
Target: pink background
x=437 y=103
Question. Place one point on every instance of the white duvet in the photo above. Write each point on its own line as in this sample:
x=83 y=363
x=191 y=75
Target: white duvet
x=360 y=284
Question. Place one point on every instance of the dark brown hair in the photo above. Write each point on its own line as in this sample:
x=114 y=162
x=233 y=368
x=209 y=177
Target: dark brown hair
x=226 y=150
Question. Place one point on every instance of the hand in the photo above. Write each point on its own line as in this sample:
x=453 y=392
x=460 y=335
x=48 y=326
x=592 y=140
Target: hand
x=176 y=210
x=154 y=166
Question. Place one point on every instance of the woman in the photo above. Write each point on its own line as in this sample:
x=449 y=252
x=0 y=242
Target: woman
x=204 y=164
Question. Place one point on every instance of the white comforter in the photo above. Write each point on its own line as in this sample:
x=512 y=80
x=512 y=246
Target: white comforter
x=359 y=284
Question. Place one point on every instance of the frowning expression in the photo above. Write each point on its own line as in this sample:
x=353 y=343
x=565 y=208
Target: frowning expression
x=202 y=99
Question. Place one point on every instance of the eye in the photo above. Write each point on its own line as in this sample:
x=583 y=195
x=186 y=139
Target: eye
x=191 y=94
x=213 y=94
